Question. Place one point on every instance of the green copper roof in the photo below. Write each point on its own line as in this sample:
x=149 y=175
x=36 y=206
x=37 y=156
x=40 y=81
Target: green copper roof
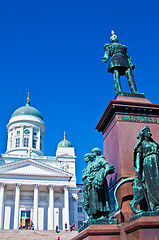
x=27 y=110
x=64 y=143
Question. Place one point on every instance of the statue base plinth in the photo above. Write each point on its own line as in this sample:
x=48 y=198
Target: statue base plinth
x=100 y=232
x=97 y=221
x=143 y=228
x=145 y=214
x=126 y=94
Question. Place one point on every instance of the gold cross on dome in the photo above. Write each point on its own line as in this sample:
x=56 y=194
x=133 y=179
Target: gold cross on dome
x=28 y=99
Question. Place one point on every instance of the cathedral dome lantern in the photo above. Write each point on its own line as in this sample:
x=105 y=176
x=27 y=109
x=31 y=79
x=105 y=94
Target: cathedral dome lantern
x=26 y=131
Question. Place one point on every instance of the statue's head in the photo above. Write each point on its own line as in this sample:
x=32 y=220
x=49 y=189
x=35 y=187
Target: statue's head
x=96 y=151
x=114 y=37
x=144 y=132
x=88 y=157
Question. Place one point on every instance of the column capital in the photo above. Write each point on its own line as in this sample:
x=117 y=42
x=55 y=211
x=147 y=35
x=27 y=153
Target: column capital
x=36 y=186
x=2 y=184
x=52 y=187
x=65 y=187
x=18 y=185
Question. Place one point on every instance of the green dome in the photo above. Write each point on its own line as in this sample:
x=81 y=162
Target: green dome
x=27 y=110
x=64 y=143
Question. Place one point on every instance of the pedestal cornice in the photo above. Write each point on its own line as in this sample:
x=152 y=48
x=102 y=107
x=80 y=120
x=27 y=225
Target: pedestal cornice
x=142 y=223
x=101 y=231
x=129 y=105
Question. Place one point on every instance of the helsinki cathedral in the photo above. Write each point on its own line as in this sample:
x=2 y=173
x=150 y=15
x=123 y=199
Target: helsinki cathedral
x=35 y=189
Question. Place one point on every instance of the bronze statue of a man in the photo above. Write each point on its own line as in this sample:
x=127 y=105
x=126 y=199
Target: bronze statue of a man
x=96 y=197
x=120 y=63
x=88 y=158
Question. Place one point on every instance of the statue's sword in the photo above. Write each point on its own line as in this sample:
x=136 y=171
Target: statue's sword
x=144 y=192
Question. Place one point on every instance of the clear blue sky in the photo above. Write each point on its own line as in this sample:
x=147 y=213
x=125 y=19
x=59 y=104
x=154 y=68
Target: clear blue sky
x=53 y=49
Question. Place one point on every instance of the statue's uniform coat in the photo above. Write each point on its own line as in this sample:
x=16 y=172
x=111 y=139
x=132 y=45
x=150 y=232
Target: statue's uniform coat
x=118 y=54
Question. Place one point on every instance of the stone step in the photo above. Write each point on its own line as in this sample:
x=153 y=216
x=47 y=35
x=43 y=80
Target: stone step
x=36 y=235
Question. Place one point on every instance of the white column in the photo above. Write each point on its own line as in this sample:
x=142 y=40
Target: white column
x=42 y=141
x=13 y=143
x=66 y=204
x=36 y=194
x=16 y=208
x=51 y=208
x=31 y=137
x=75 y=208
x=32 y=214
x=22 y=136
x=8 y=141
x=38 y=140
x=2 y=205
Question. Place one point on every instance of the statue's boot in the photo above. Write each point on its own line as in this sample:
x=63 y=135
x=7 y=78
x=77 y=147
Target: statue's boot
x=131 y=80
x=117 y=84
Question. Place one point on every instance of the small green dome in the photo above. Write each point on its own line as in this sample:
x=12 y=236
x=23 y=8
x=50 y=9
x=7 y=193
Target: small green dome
x=64 y=143
x=27 y=110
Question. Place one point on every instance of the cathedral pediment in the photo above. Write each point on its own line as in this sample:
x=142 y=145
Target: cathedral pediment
x=32 y=168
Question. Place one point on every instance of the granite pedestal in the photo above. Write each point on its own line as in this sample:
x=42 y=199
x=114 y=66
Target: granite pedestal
x=120 y=125
x=143 y=228
x=99 y=232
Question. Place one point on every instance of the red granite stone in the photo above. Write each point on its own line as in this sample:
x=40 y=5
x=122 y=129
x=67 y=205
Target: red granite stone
x=99 y=232
x=120 y=125
x=143 y=228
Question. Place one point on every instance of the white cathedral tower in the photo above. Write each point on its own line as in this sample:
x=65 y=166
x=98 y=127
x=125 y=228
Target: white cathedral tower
x=37 y=191
x=26 y=131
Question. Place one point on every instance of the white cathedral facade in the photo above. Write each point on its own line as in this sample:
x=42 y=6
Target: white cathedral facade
x=35 y=189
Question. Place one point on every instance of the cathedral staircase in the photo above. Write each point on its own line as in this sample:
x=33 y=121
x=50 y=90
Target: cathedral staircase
x=36 y=235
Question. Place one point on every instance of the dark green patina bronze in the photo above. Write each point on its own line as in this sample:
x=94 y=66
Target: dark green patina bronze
x=145 y=214
x=126 y=180
x=146 y=165
x=96 y=198
x=120 y=63
x=88 y=158
x=146 y=184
